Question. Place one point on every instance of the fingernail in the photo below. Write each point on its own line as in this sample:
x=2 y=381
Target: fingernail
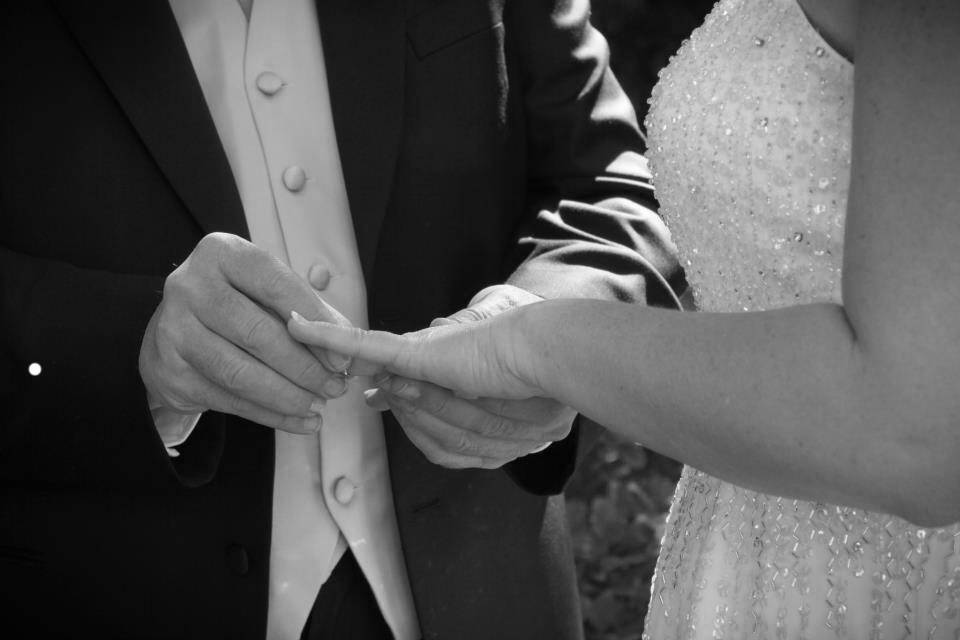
x=404 y=389
x=335 y=387
x=317 y=405
x=297 y=317
x=314 y=423
x=375 y=399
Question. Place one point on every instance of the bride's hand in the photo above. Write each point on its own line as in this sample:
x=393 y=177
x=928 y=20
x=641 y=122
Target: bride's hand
x=477 y=359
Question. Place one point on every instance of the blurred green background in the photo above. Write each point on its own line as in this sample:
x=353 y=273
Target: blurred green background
x=618 y=498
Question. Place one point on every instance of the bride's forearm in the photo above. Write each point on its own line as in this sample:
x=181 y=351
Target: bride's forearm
x=783 y=401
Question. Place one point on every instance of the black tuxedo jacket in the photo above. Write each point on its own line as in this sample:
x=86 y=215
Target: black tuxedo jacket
x=482 y=141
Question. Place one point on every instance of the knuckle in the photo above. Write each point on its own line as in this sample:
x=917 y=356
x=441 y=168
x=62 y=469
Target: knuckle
x=235 y=405
x=312 y=373
x=233 y=372
x=284 y=423
x=255 y=333
x=498 y=426
x=215 y=241
x=472 y=314
x=462 y=443
x=175 y=284
x=280 y=285
x=169 y=332
x=217 y=248
x=438 y=403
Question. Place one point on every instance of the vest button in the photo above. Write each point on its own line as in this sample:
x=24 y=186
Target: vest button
x=294 y=178
x=269 y=83
x=319 y=277
x=344 y=490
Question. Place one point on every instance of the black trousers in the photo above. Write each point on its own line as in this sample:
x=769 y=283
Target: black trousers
x=345 y=608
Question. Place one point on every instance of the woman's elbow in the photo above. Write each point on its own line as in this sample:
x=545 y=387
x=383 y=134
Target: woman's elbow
x=931 y=497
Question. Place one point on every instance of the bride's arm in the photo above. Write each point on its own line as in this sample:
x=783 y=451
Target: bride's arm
x=856 y=404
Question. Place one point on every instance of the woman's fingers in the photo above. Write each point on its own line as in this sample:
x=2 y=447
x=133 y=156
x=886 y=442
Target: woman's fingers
x=446 y=445
x=377 y=347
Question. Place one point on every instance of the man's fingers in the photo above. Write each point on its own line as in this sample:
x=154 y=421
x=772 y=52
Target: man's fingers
x=239 y=373
x=271 y=283
x=261 y=276
x=225 y=402
x=203 y=395
x=262 y=335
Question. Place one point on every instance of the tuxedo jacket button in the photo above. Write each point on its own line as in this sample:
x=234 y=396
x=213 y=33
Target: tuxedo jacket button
x=237 y=559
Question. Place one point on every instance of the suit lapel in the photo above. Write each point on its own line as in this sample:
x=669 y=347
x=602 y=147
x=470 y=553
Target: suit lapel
x=137 y=49
x=364 y=49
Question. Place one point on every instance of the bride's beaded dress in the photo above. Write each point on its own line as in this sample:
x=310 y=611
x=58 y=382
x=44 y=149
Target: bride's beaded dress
x=749 y=142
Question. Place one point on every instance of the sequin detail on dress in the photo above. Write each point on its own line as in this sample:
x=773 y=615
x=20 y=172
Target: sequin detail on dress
x=749 y=135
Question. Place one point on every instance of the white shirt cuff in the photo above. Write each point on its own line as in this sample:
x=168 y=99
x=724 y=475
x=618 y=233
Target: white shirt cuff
x=174 y=428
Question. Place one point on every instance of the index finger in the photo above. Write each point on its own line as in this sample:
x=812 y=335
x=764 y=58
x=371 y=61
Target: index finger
x=379 y=347
x=272 y=284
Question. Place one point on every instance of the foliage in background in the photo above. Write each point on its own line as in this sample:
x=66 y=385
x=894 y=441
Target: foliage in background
x=617 y=500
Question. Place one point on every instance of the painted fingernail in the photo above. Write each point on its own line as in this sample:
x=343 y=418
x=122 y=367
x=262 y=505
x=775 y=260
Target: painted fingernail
x=317 y=405
x=314 y=423
x=375 y=399
x=335 y=387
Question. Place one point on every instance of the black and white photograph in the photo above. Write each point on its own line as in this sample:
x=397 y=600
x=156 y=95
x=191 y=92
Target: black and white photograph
x=480 y=319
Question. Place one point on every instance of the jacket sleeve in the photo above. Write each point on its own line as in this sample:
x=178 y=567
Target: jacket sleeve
x=591 y=229
x=79 y=415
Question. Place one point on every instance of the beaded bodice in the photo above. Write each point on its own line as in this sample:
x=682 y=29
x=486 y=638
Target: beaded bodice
x=749 y=143
x=749 y=132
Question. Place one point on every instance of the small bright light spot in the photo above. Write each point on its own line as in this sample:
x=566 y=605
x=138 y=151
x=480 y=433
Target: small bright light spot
x=34 y=369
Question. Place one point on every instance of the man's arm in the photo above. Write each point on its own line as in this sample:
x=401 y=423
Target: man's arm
x=79 y=413
x=592 y=230
x=83 y=419
x=589 y=231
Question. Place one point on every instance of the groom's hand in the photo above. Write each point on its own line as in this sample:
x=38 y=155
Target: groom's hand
x=217 y=341
x=461 y=432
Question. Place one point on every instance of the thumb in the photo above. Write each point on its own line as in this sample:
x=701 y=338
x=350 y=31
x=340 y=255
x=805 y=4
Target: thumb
x=480 y=308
